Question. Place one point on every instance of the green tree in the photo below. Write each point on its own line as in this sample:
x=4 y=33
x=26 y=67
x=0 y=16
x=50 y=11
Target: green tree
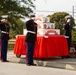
x=74 y=37
x=16 y=8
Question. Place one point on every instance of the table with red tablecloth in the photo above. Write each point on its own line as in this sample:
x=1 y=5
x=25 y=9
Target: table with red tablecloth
x=54 y=45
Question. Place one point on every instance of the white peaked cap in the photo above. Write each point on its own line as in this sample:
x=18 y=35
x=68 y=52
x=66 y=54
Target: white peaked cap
x=4 y=16
x=68 y=16
x=2 y=20
x=32 y=15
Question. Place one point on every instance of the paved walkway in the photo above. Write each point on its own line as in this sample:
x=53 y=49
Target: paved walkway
x=21 y=69
x=55 y=62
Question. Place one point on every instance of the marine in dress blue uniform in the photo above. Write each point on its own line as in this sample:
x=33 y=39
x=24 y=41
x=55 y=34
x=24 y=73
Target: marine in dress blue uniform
x=4 y=27
x=67 y=30
x=30 y=39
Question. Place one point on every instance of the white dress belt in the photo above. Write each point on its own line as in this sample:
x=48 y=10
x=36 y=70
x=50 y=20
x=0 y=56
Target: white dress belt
x=4 y=32
x=31 y=32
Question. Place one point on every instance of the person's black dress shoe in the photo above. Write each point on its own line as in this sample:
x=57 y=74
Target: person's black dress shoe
x=67 y=56
x=4 y=60
x=31 y=64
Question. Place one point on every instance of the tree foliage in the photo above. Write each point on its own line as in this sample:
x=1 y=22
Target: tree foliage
x=16 y=8
x=15 y=30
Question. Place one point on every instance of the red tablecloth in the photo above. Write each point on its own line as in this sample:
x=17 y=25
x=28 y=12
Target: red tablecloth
x=54 y=45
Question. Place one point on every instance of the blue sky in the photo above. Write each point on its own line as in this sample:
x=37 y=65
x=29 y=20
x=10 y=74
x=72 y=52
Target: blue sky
x=54 y=5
